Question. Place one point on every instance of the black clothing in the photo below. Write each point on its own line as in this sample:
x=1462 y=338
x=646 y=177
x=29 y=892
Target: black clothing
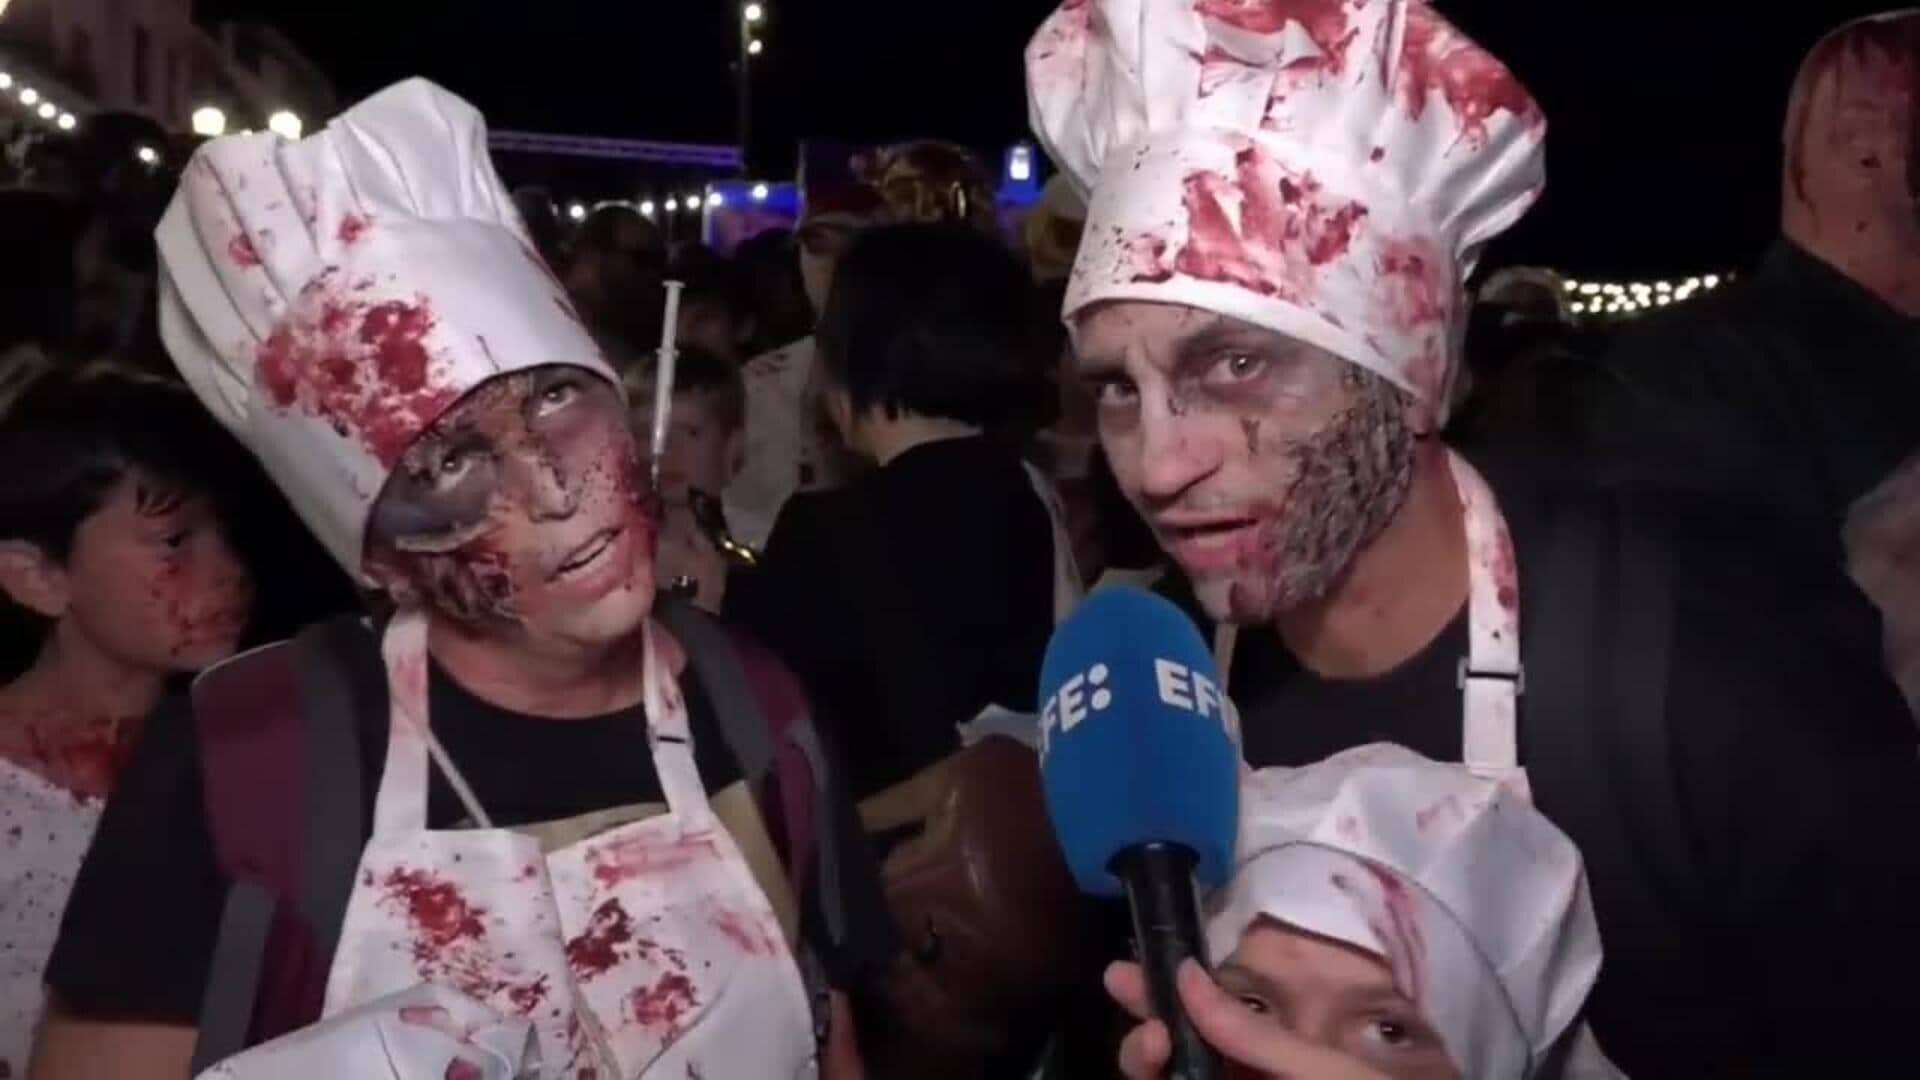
x=1792 y=390
x=908 y=601
x=1744 y=789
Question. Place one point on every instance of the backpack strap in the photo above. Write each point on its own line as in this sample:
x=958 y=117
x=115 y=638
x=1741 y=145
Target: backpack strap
x=244 y=715
x=279 y=747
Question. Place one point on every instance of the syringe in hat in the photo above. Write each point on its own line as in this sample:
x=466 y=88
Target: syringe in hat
x=663 y=379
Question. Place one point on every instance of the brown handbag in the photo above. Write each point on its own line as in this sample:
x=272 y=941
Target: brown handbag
x=990 y=916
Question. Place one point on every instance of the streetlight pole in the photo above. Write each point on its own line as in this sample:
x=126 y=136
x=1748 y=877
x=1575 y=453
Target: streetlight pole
x=750 y=15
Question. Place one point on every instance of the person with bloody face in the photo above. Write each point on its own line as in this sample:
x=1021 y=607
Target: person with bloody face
x=1285 y=201
x=112 y=548
x=1791 y=391
x=555 y=837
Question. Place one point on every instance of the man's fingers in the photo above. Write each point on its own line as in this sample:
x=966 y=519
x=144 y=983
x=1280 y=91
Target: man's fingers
x=1128 y=986
x=1145 y=1051
x=1240 y=1035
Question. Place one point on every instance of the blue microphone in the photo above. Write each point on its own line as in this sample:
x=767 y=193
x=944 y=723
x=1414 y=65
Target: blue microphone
x=1141 y=765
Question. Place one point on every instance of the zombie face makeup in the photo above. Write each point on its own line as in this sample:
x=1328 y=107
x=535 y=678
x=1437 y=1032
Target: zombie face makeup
x=1262 y=464
x=1335 y=996
x=523 y=513
x=1855 y=116
x=152 y=582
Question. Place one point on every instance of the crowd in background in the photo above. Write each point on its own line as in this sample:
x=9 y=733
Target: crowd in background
x=864 y=409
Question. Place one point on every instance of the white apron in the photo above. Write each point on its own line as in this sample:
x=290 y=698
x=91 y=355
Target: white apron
x=1491 y=679
x=44 y=833
x=647 y=950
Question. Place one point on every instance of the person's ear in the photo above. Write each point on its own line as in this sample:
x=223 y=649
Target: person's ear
x=33 y=579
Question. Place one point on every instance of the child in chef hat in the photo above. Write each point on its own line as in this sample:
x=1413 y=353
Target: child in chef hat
x=1392 y=916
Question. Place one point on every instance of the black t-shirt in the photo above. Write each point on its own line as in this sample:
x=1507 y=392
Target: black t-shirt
x=1787 y=774
x=140 y=925
x=908 y=601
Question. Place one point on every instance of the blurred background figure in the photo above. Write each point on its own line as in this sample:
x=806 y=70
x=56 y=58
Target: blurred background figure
x=930 y=181
x=768 y=266
x=1882 y=539
x=115 y=576
x=1528 y=376
x=715 y=315
x=790 y=447
x=613 y=272
x=705 y=447
x=542 y=219
x=917 y=598
x=1793 y=390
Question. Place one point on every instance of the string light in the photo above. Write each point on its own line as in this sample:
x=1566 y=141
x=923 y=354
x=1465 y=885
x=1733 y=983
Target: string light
x=68 y=121
x=148 y=156
x=6 y=81
x=716 y=199
x=673 y=206
x=577 y=211
x=754 y=13
x=756 y=47
x=759 y=193
x=646 y=208
x=28 y=95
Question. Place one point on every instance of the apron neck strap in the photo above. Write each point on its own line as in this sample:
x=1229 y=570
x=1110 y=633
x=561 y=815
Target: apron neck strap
x=401 y=804
x=670 y=735
x=1491 y=678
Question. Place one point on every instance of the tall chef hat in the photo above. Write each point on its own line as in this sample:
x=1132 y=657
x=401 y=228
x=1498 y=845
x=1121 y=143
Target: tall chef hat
x=329 y=299
x=1329 y=169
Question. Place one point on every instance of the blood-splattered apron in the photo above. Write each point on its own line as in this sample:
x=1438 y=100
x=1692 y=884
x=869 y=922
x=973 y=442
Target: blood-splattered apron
x=647 y=950
x=1490 y=676
x=44 y=833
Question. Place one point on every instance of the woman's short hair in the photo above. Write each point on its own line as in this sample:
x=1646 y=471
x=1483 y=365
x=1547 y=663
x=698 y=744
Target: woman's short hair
x=937 y=320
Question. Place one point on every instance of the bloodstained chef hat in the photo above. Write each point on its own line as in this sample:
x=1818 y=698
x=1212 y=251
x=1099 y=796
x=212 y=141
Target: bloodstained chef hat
x=1328 y=169
x=329 y=299
x=1476 y=901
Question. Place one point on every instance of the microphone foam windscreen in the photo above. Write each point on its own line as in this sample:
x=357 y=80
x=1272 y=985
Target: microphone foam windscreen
x=1138 y=741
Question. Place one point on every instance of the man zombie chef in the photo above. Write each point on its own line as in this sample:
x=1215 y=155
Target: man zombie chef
x=1285 y=199
x=554 y=828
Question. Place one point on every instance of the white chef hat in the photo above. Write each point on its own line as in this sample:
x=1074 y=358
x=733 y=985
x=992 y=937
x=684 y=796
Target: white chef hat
x=1329 y=169
x=329 y=299
x=1477 y=902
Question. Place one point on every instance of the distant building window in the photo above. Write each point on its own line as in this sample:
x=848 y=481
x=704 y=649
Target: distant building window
x=142 y=57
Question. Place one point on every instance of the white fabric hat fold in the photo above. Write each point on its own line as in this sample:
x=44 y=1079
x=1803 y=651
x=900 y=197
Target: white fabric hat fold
x=1329 y=169
x=1477 y=902
x=329 y=299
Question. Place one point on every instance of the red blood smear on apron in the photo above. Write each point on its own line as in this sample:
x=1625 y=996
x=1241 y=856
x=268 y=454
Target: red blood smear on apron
x=598 y=950
x=458 y=1069
x=1325 y=21
x=665 y=1002
x=435 y=907
x=352 y=228
x=625 y=860
x=240 y=249
x=743 y=931
x=528 y=997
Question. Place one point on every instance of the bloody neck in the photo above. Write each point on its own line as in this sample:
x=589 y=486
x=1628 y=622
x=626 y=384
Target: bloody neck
x=1402 y=590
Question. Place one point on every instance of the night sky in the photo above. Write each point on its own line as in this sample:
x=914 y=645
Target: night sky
x=1663 y=158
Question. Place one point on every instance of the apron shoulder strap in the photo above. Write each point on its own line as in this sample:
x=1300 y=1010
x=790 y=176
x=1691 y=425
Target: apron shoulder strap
x=279 y=747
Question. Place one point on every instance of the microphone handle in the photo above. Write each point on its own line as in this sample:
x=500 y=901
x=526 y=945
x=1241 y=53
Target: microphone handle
x=1166 y=930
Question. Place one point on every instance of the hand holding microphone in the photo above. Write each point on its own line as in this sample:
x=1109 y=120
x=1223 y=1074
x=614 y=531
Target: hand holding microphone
x=1142 y=774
